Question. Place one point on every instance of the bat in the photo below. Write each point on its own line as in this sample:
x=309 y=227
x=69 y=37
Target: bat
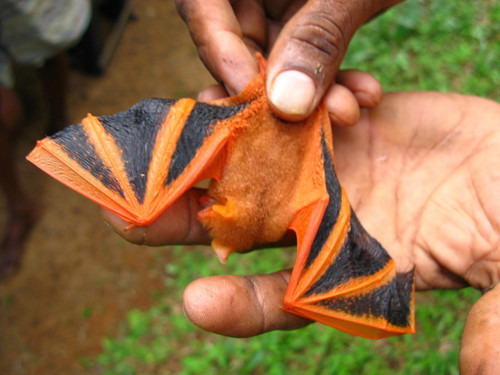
x=267 y=176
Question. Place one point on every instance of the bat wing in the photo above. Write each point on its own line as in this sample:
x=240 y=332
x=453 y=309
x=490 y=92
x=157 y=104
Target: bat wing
x=137 y=162
x=343 y=277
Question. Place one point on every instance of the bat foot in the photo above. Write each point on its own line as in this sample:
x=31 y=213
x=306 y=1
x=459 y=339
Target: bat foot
x=221 y=251
x=206 y=201
x=214 y=210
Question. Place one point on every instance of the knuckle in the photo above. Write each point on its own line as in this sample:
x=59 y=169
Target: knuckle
x=180 y=4
x=183 y=7
x=136 y=235
x=255 y=289
x=325 y=33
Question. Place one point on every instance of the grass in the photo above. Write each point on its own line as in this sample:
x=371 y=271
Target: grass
x=419 y=45
x=162 y=341
x=433 y=45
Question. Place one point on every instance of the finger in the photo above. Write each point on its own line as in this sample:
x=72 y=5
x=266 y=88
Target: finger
x=252 y=20
x=354 y=89
x=212 y=93
x=479 y=349
x=219 y=39
x=342 y=106
x=177 y=225
x=308 y=53
x=239 y=306
x=365 y=87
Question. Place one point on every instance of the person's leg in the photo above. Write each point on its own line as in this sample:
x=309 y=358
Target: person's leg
x=54 y=78
x=22 y=211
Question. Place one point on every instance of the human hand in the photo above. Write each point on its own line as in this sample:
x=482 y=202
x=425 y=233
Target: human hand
x=422 y=171
x=424 y=181
x=304 y=41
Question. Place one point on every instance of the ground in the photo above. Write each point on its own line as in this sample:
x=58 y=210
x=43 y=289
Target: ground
x=78 y=278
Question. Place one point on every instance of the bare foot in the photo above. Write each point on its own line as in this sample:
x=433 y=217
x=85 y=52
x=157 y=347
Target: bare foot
x=20 y=223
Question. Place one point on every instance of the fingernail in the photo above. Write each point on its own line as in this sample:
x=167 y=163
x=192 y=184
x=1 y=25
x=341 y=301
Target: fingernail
x=292 y=92
x=364 y=99
x=335 y=120
x=286 y=276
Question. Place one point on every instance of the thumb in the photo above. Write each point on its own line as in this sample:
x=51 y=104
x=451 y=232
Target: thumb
x=308 y=52
x=240 y=306
x=479 y=347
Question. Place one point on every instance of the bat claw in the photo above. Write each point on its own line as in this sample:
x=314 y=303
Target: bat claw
x=205 y=201
x=226 y=208
x=215 y=211
x=221 y=251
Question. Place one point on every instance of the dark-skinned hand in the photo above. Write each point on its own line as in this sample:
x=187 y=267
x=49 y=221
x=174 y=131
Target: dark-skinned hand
x=304 y=41
x=422 y=172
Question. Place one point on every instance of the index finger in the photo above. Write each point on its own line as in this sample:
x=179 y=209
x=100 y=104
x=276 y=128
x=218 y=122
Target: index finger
x=219 y=39
x=177 y=225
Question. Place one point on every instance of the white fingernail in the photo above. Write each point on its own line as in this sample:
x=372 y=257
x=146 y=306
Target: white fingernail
x=292 y=92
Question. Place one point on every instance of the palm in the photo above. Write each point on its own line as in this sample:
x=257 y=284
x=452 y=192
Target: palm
x=422 y=173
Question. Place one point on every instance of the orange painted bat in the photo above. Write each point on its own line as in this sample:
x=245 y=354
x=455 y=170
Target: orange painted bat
x=268 y=176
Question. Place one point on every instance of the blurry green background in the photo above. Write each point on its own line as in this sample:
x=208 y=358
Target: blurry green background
x=419 y=45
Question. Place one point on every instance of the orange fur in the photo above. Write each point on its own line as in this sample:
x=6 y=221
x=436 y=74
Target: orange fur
x=269 y=176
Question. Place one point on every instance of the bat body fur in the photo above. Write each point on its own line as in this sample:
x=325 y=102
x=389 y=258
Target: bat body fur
x=268 y=176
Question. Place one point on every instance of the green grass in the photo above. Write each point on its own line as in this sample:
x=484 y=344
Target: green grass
x=420 y=45
x=433 y=45
x=162 y=341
